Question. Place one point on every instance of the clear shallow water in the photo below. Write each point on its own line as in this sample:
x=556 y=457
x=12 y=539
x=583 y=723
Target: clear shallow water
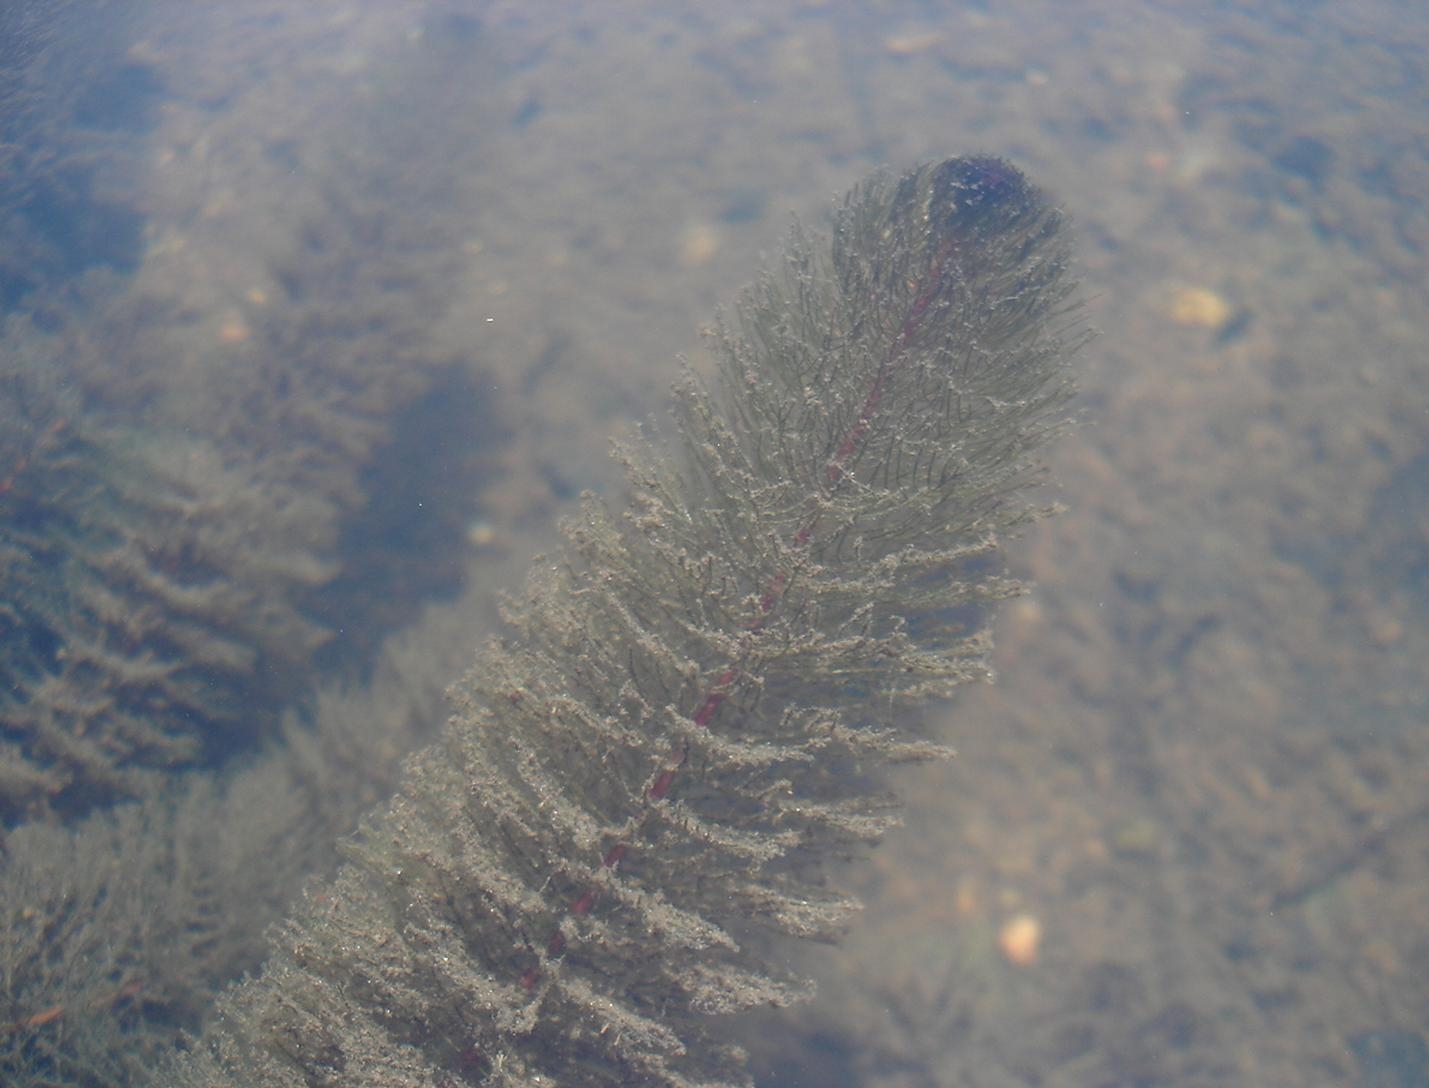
x=1202 y=770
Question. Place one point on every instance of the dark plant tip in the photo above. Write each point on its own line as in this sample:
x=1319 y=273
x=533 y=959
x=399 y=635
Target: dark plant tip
x=972 y=187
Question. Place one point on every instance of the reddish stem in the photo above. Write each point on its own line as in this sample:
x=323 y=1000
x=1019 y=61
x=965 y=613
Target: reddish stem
x=720 y=687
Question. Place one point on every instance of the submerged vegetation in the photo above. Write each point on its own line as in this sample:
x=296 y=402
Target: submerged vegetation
x=174 y=499
x=177 y=496
x=643 y=783
x=648 y=779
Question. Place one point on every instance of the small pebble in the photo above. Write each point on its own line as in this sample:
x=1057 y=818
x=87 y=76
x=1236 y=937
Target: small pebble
x=1020 y=940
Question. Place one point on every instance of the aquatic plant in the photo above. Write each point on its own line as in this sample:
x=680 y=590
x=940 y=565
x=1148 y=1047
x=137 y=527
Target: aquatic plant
x=185 y=506
x=117 y=931
x=184 y=511
x=134 y=601
x=649 y=776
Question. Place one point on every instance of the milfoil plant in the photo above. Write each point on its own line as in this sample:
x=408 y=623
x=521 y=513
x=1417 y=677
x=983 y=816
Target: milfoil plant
x=651 y=772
